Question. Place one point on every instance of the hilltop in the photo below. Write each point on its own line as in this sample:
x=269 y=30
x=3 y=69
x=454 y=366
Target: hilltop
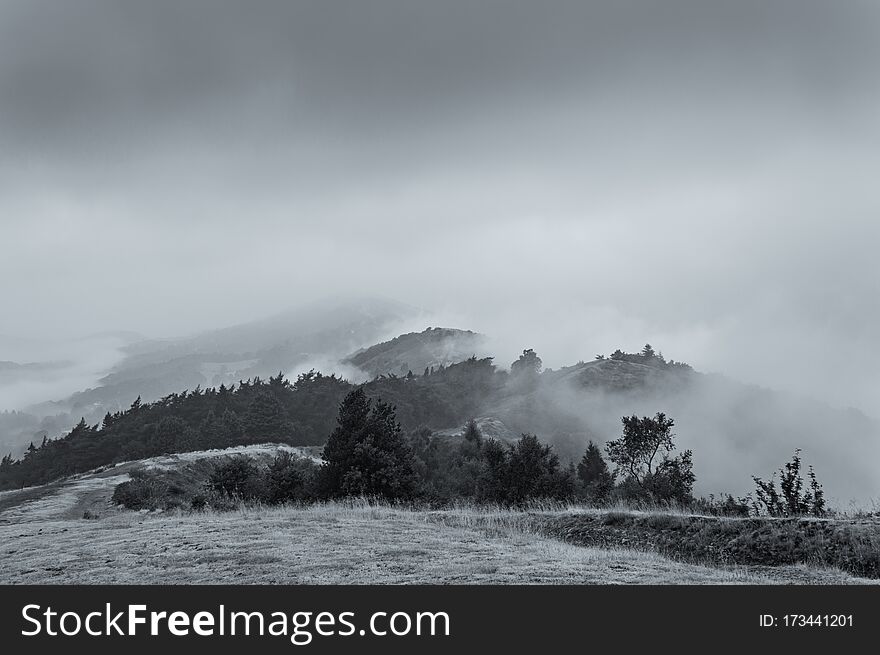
x=415 y=352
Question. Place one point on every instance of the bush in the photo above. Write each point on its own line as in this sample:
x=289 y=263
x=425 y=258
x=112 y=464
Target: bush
x=528 y=470
x=237 y=478
x=793 y=500
x=140 y=493
x=284 y=480
x=219 y=483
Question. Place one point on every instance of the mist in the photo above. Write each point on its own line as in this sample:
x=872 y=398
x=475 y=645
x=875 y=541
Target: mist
x=51 y=370
x=574 y=178
x=735 y=431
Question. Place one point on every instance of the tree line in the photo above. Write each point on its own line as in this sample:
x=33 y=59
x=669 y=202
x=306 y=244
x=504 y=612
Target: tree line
x=369 y=455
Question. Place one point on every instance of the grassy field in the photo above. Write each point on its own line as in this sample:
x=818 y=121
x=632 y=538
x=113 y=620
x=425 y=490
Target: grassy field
x=338 y=544
x=45 y=538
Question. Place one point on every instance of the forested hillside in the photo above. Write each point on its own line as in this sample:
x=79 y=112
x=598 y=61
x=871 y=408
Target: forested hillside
x=734 y=430
x=299 y=413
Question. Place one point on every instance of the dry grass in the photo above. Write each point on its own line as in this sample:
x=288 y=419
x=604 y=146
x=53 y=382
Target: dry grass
x=847 y=544
x=348 y=543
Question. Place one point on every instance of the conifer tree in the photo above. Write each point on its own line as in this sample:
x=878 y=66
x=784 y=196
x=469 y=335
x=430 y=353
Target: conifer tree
x=593 y=473
x=366 y=453
x=472 y=432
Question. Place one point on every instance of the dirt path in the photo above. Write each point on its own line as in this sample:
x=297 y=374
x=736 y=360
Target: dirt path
x=72 y=497
x=67 y=500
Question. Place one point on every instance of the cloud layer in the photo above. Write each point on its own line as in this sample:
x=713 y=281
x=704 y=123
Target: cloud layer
x=573 y=177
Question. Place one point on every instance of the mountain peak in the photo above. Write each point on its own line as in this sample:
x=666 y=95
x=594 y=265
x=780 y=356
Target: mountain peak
x=415 y=351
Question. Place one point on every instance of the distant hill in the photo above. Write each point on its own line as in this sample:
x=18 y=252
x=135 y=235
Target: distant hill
x=319 y=327
x=416 y=351
x=151 y=369
x=13 y=373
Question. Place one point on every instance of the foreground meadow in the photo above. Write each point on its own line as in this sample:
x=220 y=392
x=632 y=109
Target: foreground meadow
x=343 y=544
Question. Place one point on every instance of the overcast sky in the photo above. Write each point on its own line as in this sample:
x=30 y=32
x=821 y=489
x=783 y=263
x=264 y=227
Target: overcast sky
x=571 y=176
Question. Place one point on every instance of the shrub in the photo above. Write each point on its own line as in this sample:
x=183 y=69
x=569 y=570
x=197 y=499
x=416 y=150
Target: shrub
x=792 y=499
x=220 y=483
x=284 y=479
x=238 y=477
x=527 y=470
x=140 y=493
